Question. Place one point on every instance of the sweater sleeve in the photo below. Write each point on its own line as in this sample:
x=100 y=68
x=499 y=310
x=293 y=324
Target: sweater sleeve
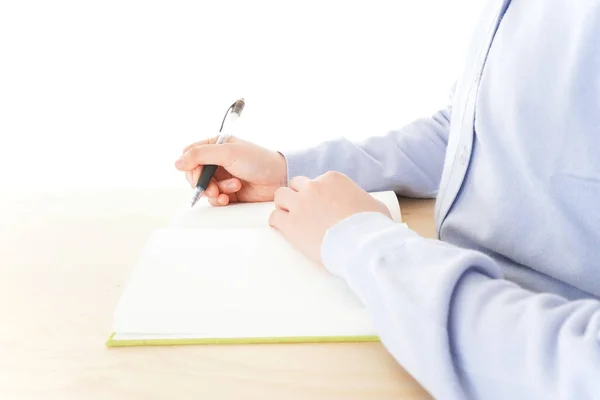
x=452 y=322
x=408 y=161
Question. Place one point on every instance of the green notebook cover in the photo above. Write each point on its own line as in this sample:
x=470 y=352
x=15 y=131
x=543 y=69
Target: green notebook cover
x=111 y=342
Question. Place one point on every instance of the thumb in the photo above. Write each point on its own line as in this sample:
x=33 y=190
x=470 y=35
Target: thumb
x=218 y=154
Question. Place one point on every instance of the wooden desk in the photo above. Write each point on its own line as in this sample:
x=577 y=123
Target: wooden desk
x=64 y=261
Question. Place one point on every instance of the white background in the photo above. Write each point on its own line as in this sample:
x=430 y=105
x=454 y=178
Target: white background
x=107 y=93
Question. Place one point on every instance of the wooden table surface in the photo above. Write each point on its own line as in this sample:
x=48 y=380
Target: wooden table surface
x=64 y=262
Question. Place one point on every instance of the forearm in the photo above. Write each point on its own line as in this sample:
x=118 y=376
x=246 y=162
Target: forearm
x=511 y=342
x=406 y=282
x=447 y=316
x=408 y=161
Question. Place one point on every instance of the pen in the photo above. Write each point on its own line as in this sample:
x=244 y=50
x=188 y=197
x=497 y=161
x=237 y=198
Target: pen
x=232 y=115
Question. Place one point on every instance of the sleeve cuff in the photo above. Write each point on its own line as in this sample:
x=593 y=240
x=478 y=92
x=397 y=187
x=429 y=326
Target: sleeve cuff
x=302 y=163
x=346 y=243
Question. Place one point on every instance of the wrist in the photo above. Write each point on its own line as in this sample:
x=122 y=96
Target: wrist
x=346 y=243
x=300 y=163
x=282 y=169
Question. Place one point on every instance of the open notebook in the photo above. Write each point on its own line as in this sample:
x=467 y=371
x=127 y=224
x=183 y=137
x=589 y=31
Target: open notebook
x=222 y=275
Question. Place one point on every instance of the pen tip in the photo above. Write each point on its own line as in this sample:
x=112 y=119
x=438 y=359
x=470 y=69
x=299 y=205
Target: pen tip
x=197 y=193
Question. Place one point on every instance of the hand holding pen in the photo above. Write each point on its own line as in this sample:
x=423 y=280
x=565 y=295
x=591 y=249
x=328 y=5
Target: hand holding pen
x=233 y=114
x=242 y=172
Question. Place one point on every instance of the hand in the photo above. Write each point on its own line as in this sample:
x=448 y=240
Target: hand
x=246 y=172
x=308 y=208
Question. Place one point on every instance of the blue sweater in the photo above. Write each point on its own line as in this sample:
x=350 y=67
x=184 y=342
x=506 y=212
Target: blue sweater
x=505 y=303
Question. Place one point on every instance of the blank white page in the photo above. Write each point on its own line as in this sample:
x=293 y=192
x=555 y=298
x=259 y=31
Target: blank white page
x=234 y=283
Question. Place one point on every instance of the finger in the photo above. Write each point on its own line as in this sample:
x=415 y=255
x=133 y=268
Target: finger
x=285 y=198
x=223 y=199
x=298 y=182
x=279 y=219
x=218 y=154
x=219 y=201
x=229 y=186
x=212 y=191
x=213 y=201
x=195 y=175
x=189 y=178
x=211 y=140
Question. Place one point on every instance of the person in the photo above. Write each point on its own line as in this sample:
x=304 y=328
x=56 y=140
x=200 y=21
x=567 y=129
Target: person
x=505 y=303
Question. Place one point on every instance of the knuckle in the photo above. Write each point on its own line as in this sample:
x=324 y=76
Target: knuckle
x=312 y=186
x=326 y=177
x=334 y=175
x=227 y=153
x=193 y=153
x=230 y=139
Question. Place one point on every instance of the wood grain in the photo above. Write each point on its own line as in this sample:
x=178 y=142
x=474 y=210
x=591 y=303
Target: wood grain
x=64 y=262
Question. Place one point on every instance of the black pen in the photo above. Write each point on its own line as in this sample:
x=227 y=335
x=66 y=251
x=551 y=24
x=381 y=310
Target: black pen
x=232 y=115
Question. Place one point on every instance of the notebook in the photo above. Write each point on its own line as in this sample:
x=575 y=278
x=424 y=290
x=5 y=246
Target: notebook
x=222 y=275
